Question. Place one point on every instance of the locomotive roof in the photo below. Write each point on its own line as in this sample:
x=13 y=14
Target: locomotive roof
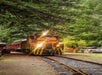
x=2 y=43
x=20 y=40
x=40 y=34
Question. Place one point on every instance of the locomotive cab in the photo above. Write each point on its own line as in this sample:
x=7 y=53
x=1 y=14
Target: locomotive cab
x=49 y=43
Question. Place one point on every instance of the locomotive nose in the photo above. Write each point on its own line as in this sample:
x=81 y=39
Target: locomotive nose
x=49 y=46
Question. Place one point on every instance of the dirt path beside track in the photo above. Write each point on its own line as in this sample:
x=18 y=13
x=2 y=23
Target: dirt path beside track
x=20 y=64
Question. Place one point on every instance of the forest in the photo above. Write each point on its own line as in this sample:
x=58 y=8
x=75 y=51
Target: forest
x=77 y=22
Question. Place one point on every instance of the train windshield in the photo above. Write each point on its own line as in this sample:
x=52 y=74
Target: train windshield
x=31 y=37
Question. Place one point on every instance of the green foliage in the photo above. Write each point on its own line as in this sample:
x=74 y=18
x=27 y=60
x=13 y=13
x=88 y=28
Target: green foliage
x=81 y=19
x=25 y=17
x=73 y=42
x=4 y=33
x=68 y=41
x=82 y=43
x=88 y=22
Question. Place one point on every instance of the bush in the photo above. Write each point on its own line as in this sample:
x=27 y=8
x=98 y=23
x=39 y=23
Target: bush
x=72 y=42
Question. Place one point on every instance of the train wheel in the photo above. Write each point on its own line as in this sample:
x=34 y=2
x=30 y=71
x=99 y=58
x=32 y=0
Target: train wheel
x=8 y=51
x=4 y=51
x=52 y=53
x=27 y=51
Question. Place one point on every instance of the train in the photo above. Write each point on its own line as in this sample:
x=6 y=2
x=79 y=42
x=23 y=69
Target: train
x=39 y=44
x=2 y=45
x=15 y=46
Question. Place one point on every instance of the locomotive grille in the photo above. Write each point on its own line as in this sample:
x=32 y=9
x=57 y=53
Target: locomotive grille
x=49 y=46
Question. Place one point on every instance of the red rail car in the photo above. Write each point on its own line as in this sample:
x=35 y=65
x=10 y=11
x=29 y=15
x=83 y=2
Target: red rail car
x=14 y=47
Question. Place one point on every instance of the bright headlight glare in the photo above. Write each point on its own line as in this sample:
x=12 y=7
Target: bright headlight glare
x=57 y=45
x=39 y=45
x=45 y=33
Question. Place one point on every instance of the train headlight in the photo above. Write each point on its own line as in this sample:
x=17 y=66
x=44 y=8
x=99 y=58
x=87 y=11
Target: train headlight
x=57 y=45
x=39 y=45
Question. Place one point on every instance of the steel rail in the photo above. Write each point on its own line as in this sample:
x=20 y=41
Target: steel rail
x=69 y=68
x=79 y=60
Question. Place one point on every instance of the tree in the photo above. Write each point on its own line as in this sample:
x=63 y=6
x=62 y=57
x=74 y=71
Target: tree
x=31 y=16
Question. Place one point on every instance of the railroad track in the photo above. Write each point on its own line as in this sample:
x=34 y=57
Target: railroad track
x=77 y=67
x=81 y=60
x=90 y=67
x=65 y=69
